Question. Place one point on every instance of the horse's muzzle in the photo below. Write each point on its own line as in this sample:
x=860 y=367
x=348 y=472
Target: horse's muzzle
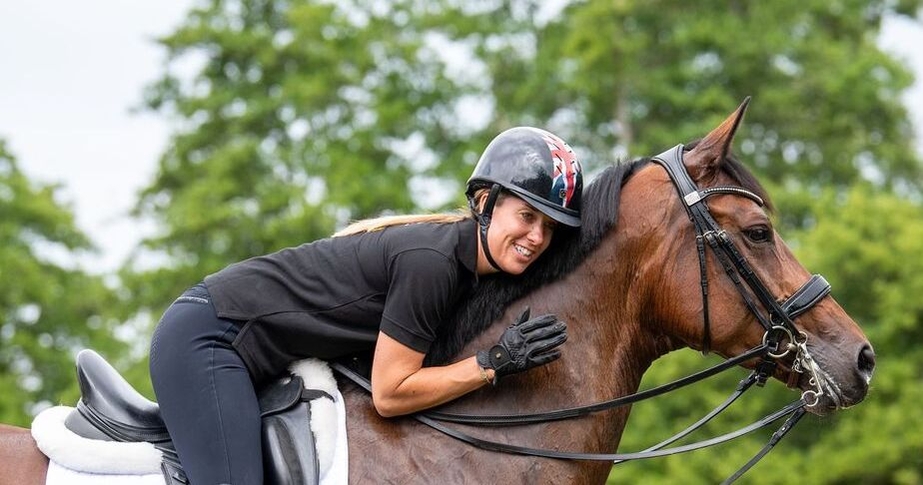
x=831 y=387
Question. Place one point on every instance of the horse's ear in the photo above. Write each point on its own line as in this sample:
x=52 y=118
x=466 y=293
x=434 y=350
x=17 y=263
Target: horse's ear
x=709 y=153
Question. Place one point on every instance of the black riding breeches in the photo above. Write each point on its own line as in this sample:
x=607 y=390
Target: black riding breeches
x=206 y=396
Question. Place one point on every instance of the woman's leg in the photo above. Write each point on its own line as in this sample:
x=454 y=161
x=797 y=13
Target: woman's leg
x=205 y=394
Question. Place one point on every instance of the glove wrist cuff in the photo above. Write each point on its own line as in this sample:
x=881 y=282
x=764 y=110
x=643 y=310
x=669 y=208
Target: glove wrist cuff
x=483 y=359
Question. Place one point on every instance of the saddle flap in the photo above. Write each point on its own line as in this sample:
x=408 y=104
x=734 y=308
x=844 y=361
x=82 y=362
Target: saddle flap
x=289 y=449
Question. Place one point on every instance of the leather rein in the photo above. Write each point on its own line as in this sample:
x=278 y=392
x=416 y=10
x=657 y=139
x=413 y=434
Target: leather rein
x=780 y=338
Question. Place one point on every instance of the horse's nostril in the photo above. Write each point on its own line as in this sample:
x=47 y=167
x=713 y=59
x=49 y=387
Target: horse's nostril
x=866 y=360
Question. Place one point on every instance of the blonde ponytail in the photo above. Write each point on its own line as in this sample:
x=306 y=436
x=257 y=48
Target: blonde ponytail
x=379 y=223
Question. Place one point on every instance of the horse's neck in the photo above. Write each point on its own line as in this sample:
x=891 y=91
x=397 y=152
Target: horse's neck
x=605 y=355
x=606 y=344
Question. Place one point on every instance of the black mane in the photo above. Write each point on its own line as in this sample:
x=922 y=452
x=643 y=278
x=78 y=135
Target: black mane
x=600 y=209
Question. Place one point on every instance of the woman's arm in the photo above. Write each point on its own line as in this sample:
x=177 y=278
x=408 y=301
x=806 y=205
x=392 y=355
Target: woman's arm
x=401 y=385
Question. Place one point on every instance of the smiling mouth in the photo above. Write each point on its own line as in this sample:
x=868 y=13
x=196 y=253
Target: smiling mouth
x=523 y=251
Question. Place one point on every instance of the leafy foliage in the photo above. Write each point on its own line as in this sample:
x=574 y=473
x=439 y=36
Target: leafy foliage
x=47 y=311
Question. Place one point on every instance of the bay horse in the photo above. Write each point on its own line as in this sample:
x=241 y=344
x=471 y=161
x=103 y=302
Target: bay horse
x=632 y=287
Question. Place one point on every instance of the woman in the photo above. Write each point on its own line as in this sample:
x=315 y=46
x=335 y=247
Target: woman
x=384 y=285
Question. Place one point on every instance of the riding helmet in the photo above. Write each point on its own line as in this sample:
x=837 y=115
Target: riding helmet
x=536 y=165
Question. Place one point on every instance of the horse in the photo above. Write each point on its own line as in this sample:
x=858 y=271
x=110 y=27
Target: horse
x=642 y=278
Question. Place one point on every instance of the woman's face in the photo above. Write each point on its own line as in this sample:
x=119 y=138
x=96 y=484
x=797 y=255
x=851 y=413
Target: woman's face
x=517 y=236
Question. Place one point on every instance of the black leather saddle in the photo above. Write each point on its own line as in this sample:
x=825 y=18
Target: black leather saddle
x=110 y=409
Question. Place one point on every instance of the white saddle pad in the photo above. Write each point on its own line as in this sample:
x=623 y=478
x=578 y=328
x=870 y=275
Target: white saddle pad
x=74 y=460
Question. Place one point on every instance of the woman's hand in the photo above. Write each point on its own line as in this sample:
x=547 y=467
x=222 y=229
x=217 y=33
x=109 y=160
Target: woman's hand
x=525 y=344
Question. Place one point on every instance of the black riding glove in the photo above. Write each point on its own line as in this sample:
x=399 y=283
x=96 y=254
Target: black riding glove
x=524 y=345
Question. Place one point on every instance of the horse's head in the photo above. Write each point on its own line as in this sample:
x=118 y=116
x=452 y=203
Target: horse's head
x=746 y=276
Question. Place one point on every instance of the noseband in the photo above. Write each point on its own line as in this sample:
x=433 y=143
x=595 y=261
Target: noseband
x=776 y=318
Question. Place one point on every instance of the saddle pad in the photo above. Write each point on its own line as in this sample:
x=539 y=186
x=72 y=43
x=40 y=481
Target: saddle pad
x=59 y=475
x=67 y=448
x=336 y=474
x=71 y=456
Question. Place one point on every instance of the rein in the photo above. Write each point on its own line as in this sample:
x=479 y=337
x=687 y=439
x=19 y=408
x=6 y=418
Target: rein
x=655 y=451
x=561 y=414
x=777 y=322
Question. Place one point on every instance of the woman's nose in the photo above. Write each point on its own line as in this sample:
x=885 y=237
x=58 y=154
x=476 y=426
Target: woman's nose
x=537 y=234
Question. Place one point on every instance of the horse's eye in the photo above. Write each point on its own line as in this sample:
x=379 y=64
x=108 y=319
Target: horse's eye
x=759 y=234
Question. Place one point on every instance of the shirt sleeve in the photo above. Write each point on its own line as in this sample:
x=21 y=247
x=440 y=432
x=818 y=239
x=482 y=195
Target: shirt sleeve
x=422 y=290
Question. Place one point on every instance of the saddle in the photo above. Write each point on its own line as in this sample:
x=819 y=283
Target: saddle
x=110 y=409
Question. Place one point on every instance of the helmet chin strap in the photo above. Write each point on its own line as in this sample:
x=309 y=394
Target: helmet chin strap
x=483 y=218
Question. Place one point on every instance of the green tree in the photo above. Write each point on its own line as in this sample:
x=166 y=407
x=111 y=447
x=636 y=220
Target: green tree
x=303 y=115
x=48 y=310
x=638 y=77
x=869 y=244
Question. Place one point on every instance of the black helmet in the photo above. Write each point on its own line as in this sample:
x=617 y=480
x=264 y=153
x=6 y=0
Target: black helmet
x=537 y=166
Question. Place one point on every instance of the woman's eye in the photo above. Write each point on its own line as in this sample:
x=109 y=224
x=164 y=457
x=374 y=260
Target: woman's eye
x=759 y=234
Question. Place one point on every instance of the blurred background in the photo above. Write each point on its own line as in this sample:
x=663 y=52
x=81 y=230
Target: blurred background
x=143 y=146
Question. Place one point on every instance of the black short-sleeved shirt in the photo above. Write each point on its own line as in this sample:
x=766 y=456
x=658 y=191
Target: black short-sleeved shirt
x=331 y=297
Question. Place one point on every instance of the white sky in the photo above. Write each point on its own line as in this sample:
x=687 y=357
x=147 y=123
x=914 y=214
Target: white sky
x=71 y=72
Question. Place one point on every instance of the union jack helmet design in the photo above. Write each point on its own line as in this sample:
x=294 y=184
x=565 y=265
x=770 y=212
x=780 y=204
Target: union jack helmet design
x=536 y=165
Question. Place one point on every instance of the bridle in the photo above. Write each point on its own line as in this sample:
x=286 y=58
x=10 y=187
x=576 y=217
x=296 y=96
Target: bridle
x=780 y=338
x=776 y=318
